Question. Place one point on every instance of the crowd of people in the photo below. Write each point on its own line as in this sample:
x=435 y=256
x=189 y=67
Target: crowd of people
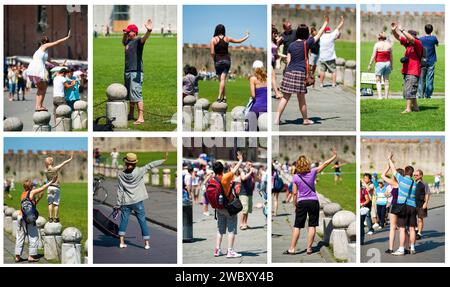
x=400 y=199
x=236 y=180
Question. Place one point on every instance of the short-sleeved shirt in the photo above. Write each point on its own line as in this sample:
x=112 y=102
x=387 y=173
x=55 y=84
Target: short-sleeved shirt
x=297 y=51
x=404 y=184
x=133 y=55
x=58 y=86
x=327 y=50
x=414 y=54
x=247 y=186
x=72 y=93
x=226 y=181
x=306 y=185
x=288 y=38
x=315 y=48
x=422 y=189
x=50 y=173
x=430 y=42
x=381 y=195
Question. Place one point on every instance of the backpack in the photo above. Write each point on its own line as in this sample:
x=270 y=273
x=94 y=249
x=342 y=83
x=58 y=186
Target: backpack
x=29 y=211
x=423 y=58
x=278 y=183
x=214 y=191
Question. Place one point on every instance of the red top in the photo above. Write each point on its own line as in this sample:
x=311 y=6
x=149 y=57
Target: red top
x=383 y=56
x=362 y=198
x=414 y=53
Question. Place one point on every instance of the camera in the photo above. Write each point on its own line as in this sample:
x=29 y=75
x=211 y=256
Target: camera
x=404 y=60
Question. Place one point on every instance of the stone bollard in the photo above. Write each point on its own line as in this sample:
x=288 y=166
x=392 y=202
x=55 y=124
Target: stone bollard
x=114 y=171
x=101 y=168
x=155 y=176
x=340 y=69
x=188 y=112
x=217 y=118
x=166 y=177
x=107 y=170
x=351 y=248
x=262 y=122
x=79 y=115
x=86 y=253
x=40 y=223
x=339 y=240
x=63 y=120
x=201 y=108
x=238 y=119
x=329 y=210
x=117 y=105
x=71 y=250
x=12 y=124
x=52 y=241
x=350 y=73
x=7 y=221
x=96 y=169
x=42 y=121
x=5 y=207
x=15 y=222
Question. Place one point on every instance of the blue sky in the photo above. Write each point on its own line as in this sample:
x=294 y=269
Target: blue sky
x=402 y=8
x=199 y=22
x=50 y=143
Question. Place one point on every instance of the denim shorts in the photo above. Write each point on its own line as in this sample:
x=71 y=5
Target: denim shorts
x=222 y=67
x=133 y=83
x=226 y=222
x=383 y=69
x=313 y=59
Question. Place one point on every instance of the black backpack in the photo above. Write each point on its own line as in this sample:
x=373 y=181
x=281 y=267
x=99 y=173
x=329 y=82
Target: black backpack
x=29 y=211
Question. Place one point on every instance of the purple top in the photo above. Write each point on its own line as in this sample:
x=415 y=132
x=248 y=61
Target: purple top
x=274 y=51
x=304 y=192
x=394 y=193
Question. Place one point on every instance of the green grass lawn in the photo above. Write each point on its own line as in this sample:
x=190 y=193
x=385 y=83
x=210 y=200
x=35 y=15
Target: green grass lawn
x=160 y=79
x=345 y=49
x=396 y=78
x=237 y=91
x=385 y=115
x=343 y=193
x=73 y=206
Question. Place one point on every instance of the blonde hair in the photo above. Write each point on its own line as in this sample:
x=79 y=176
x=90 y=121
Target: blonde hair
x=260 y=75
x=303 y=165
x=27 y=185
x=382 y=36
x=49 y=161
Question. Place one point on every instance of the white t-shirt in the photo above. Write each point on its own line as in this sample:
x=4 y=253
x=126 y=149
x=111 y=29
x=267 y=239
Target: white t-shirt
x=327 y=51
x=114 y=155
x=58 y=86
x=188 y=180
x=437 y=178
x=11 y=77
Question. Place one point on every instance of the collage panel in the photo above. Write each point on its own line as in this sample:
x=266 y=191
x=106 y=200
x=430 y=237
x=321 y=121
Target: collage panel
x=135 y=67
x=402 y=67
x=45 y=200
x=224 y=68
x=45 y=72
x=135 y=200
x=224 y=200
x=402 y=201
x=313 y=67
x=314 y=200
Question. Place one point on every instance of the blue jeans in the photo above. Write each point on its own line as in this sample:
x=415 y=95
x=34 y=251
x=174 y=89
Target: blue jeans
x=426 y=82
x=139 y=209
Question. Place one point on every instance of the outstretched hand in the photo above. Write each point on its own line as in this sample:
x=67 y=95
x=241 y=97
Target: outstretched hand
x=149 y=25
x=239 y=156
x=326 y=18
x=54 y=179
x=390 y=156
x=71 y=155
x=68 y=34
x=342 y=18
x=394 y=26
x=334 y=151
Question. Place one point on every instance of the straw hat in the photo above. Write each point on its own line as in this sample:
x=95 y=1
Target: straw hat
x=131 y=158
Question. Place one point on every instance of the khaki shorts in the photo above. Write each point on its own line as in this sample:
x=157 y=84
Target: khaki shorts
x=247 y=203
x=410 y=86
x=329 y=66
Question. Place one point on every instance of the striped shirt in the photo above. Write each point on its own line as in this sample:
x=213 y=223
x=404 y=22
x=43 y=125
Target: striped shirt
x=381 y=195
x=404 y=184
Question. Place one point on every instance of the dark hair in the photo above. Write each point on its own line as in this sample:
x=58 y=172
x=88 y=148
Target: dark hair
x=274 y=31
x=337 y=162
x=218 y=167
x=186 y=69
x=190 y=169
x=302 y=32
x=220 y=30
x=193 y=71
x=44 y=40
x=368 y=175
x=428 y=28
x=409 y=170
x=401 y=171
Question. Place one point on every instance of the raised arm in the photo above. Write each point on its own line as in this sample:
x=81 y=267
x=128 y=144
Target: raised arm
x=41 y=189
x=391 y=163
x=327 y=162
x=394 y=27
x=384 y=176
x=155 y=163
x=56 y=43
x=238 y=41
x=322 y=29
x=149 y=26
x=341 y=24
x=408 y=36
x=236 y=167
x=124 y=38
x=61 y=165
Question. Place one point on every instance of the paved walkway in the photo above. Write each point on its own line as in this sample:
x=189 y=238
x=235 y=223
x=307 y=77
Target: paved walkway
x=282 y=225
x=332 y=109
x=9 y=255
x=252 y=243
x=431 y=248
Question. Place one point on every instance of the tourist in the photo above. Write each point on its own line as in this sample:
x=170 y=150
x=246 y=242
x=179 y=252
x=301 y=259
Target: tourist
x=21 y=84
x=422 y=200
x=277 y=187
x=437 y=182
x=71 y=89
x=381 y=202
x=12 y=81
x=295 y=76
x=134 y=72
x=426 y=81
x=114 y=158
x=58 y=90
x=258 y=93
x=190 y=81
x=327 y=52
x=221 y=56
x=248 y=182
x=410 y=65
x=364 y=202
x=287 y=37
x=131 y=194
x=382 y=56
x=315 y=52
x=307 y=201
x=275 y=56
x=337 y=172
x=368 y=187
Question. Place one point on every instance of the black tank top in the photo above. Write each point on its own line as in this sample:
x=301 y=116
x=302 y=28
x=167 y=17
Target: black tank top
x=221 y=50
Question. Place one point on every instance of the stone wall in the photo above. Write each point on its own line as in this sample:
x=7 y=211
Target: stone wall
x=20 y=165
x=317 y=148
x=427 y=155
x=313 y=16
x=136 y=144
x=242 y=58
x=374 y=23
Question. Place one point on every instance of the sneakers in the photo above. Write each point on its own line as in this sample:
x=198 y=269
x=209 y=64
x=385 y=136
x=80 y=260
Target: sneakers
x=217 y=252
x=418 y=236
x=147 y=246
x=233 y=254
x=370 y=232
x=206 y=214
x=389 y=251
x=376 y=226
x=398 y=253
x=122 y=246
x=412 y=251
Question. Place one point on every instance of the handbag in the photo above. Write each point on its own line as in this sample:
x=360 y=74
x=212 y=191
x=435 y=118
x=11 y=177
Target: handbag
x=400 y=209
x=234 y=206
x=309 y=80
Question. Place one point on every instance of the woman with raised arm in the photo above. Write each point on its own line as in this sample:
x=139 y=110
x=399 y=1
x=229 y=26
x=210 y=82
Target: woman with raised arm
x=382 y=57
x=221 y=56
x=307 y=203
x=37 y=72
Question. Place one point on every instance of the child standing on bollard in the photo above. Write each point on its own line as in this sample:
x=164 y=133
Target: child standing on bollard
x=27 y=220
x=54 y=189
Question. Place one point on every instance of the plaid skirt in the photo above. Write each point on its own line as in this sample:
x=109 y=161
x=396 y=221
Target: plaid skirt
x=293 y=83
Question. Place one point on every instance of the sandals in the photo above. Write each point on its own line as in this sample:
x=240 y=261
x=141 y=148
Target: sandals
x=308 y=122
x=41 y=110
x=309 y=252
x=136 y=123
x=287 y=252
x=33 y=260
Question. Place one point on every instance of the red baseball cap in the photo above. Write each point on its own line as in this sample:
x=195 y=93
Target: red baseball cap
x=130 y=28
x=327 y=29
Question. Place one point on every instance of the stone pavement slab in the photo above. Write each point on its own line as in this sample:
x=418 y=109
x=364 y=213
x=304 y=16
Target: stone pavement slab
x=9 y=253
